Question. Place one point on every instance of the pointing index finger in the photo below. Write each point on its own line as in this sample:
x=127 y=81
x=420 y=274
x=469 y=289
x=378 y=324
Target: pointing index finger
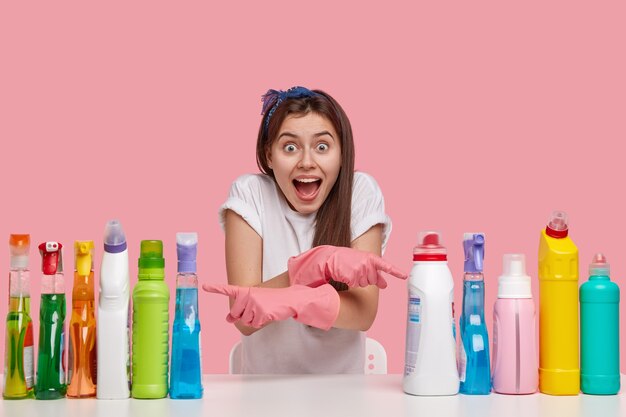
x=385 y=266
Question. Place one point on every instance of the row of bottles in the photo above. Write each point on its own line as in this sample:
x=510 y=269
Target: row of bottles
x=98 y=359
x=431 y=362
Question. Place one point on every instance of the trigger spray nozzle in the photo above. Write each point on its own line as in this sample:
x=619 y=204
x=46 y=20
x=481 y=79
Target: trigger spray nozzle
x=474 y=247
x=51 y=258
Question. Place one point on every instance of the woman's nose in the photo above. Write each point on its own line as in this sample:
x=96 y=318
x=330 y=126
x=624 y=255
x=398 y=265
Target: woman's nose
x=307 y=161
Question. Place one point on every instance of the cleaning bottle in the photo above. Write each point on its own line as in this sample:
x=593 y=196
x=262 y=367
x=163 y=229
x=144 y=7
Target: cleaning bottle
x=82 y=347
x=186 y=372
x=51 y=356
x=599 y=331
x=430 y=361
x=150 y=324
x=515 y=367
x=18 y=355
x=474 y=368
x=559 y=372
x=113 y=317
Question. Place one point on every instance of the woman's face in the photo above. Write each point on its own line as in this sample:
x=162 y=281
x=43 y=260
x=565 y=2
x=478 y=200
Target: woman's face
x=306 y=158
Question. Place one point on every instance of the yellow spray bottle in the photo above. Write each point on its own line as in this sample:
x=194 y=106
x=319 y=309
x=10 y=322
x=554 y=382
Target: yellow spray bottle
x=559 y=370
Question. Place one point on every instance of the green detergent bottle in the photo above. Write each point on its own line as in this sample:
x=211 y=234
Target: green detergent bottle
x=151 y=298
x=599 y=331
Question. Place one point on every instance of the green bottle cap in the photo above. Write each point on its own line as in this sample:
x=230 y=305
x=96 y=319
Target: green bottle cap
x=151 y=255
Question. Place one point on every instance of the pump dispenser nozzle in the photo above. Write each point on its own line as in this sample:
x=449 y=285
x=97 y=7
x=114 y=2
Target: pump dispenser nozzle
x=514 y=283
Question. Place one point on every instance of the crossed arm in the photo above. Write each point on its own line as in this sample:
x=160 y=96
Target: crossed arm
x=244 y=263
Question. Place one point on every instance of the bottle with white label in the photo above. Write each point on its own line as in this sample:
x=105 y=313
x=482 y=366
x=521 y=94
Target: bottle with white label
x=430 y=363
x=113 y=314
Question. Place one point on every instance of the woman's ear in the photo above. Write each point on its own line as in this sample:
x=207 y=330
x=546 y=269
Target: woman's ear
x=268 y=158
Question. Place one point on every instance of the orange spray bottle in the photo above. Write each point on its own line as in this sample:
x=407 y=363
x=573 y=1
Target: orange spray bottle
x=82 y=357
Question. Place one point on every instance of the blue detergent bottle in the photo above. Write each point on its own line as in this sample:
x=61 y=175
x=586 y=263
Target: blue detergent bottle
x=474 y=367
x=599 y=331
x=186 y=365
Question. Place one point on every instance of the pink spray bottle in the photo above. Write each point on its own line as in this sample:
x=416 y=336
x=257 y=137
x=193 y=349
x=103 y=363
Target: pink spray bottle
x=515 y=366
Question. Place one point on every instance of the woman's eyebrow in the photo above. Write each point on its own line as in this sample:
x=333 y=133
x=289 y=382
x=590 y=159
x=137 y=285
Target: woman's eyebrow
x=289 y=134
x=323 y=133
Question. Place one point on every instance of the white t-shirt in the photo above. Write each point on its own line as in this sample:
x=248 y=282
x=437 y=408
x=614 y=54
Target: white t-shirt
x=290 y=347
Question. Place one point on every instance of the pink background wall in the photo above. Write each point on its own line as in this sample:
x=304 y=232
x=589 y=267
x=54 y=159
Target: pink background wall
x=472 y=117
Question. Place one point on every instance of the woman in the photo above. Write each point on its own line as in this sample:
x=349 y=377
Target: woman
x=303 y=242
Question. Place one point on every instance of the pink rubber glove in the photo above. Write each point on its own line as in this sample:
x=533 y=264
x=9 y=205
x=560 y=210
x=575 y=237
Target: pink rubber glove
x=353 y=267
x=255 y=307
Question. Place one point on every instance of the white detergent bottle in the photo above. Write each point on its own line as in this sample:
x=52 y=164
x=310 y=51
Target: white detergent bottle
x=430 y=367
x=112 y=324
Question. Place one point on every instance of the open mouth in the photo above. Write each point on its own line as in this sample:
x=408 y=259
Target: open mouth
x=307 y=188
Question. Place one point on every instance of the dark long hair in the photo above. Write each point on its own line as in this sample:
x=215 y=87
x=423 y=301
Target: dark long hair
x=332 y=222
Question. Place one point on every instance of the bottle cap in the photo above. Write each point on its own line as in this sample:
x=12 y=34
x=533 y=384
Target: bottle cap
x=474 y=248
x=514 y=283
x=151 y=254
x=114 y=237
x=599 y=266
x=558 y=225
x=187 y=249
x=429 y=248
x=19 y=247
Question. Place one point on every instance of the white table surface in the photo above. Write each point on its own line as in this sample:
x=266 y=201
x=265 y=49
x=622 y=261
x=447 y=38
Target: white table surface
x=322 y=396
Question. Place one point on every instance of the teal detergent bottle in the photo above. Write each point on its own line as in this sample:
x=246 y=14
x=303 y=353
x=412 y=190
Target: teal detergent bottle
x=599 y=331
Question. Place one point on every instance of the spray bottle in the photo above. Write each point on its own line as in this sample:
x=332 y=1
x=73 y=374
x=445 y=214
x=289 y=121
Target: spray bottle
x=82 y=353
x=186 y=372
x=18 y=355
x=51 y=356
x=474 y=369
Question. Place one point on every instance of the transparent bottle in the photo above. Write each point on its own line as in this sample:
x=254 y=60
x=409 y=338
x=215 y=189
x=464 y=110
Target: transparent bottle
x=186 y=364
x=82 y=347
x=18 y=355
x=474 y=366
x=51 y=365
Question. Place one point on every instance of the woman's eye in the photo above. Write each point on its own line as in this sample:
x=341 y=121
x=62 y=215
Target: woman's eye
x=322 y=147
x=290 y=147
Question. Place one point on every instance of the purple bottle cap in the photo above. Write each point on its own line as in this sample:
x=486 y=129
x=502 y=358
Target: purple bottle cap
x=186 y=248
x=114 y=237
